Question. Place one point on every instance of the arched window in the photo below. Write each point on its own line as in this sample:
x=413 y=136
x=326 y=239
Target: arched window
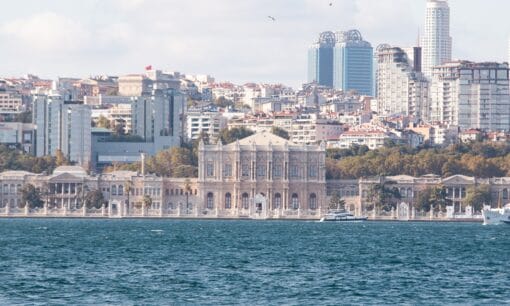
x=505 y=194
x=170 y=205
x=403 y=192
x=409 y=192
x=245 y=201
x=121 y=190
x=312 y=201
x=210 y=200
x=114 y=190
x=294 y=202
x=277 y=200
x=228 y=200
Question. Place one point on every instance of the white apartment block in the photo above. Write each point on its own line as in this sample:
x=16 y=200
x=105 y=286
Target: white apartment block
x=400 y=89
x=210 y=123
x=471 y=96
x=373 y=139
x=10 y=102
x=114 y=114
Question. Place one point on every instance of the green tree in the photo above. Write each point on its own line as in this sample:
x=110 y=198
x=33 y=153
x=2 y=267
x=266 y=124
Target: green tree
x=280 y=132
x=230 y=135
x=336 y=202
x=31 y=196
x=61 y=160
x=424 y=199
x=223 y=102
x=103 y=122
x=94 y=199
x=477 y=196
x=147 y=201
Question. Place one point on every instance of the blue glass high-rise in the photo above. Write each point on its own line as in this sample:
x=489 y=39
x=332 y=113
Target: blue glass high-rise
x=353 y=63
x=320 y=60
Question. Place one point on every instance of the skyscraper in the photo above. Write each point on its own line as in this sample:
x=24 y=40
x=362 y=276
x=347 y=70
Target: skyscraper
x=353 y=63
x=436 y=41
x=320 y=60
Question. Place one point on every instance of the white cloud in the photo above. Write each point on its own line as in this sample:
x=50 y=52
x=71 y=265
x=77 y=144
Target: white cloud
x=47 y=31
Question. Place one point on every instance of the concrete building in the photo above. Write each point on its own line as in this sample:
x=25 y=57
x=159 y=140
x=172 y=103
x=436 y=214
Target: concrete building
x=17 y=134
x=320 y=60
x=436 y=40
x=134 y=85
x=62 y=126
x=353 y=63
x=400 y=89
x=10 y=103
x=157 y=118
x=471 y=95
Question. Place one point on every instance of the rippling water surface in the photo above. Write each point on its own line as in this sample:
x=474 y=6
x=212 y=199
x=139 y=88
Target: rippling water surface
x=63 y=261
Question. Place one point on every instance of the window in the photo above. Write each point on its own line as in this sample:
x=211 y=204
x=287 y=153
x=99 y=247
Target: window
x=245 y=201
x=312 y=201
x=210 y=169
x=114 y=190
x=312 y=172
x=261 y=170
x=505 y=194
x=277 y=171
x=210 y=200
x=294 y=203
x=294 y=171
x=228 y=200
x=227 y=170
x=277 y=200
x=245 y=170
x=121 y=190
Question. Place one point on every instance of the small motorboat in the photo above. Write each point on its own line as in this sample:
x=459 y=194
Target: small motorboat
x=341 y=216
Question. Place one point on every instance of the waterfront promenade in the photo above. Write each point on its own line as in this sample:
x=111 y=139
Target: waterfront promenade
x=192 y=213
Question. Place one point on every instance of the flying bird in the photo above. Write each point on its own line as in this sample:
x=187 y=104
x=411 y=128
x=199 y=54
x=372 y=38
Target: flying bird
x=331 y=4
x=272 y=18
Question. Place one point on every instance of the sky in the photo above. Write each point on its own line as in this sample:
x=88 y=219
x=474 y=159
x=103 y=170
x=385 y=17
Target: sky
x=231 y=40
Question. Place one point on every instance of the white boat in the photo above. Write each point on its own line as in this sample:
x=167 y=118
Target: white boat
x=341 y=216
x=496 y=215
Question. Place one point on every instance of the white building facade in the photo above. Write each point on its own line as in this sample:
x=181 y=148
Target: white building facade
x=400 y=89
x=471 y=96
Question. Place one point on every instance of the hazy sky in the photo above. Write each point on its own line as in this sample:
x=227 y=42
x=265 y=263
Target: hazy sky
x=229 y=39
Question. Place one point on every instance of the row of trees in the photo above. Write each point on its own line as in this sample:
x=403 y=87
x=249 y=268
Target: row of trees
x=12 y=159
x=478 y=159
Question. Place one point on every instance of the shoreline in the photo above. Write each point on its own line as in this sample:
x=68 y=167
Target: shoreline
x=464 y=220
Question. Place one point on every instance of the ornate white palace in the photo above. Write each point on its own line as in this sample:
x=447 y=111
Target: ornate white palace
x=262 y=176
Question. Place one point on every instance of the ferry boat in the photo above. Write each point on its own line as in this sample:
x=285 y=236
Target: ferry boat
x=496 y=215
x=341 y=216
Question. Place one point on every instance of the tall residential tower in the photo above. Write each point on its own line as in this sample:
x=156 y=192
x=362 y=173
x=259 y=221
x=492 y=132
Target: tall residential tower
x=436 y=41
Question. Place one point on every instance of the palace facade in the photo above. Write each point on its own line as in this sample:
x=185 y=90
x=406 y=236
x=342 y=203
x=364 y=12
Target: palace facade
x=262 y=176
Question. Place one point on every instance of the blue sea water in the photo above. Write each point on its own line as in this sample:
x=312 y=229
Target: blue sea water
x=150 y=262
